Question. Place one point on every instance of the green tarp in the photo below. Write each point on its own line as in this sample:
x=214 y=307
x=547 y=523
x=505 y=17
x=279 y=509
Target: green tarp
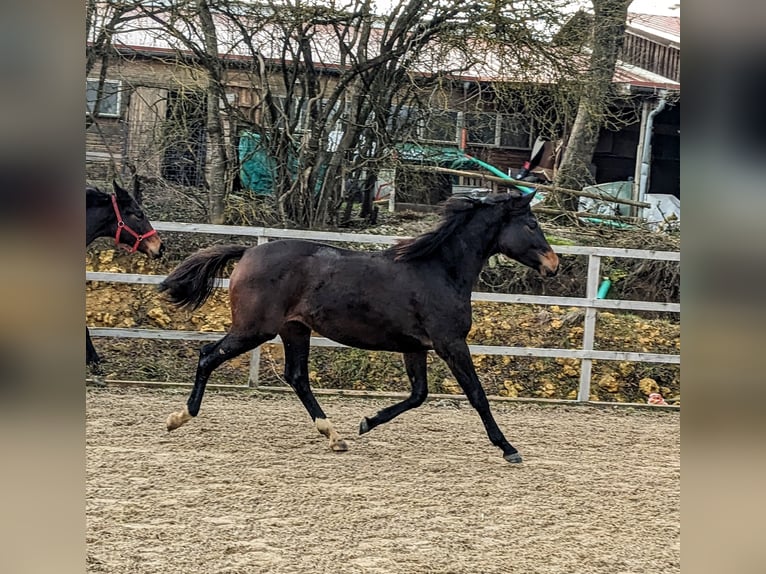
x=449 y=157
x=256 y=171
x=257 y=168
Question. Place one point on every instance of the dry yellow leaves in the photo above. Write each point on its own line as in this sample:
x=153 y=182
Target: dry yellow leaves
x=648 y=386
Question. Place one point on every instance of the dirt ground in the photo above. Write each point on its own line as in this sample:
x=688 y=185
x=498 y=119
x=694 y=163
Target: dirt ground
x=250 y=487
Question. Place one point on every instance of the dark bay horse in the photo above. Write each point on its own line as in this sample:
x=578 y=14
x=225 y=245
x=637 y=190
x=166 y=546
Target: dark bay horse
x=120 y=216
x=410 y=298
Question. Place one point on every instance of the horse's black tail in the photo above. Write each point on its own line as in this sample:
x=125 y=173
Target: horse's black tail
x=192 y=282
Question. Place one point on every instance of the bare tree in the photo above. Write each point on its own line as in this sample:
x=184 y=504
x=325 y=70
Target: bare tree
x=102 y=20
x=217 y=180
x=324 y=129
x=330 y=91
x=192 y=25
x=608 y=30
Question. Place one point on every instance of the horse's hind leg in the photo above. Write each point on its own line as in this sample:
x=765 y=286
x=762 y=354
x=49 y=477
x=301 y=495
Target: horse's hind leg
x=91 y=356
x=212 y=356
x=92 y=360
x=415 y=364
x=296 y=339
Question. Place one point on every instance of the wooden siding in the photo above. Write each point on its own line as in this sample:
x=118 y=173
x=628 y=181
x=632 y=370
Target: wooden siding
x=649 y=55
x=104 y=147
x=146 y=114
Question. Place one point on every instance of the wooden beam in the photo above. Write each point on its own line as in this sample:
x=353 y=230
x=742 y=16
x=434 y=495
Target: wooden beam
x=539 y=186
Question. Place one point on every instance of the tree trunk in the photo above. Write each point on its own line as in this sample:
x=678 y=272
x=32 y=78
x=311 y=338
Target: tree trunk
x=607 y=37
x=217 y=184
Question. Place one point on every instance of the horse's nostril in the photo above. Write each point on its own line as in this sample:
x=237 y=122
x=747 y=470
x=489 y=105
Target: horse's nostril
x=548 y=271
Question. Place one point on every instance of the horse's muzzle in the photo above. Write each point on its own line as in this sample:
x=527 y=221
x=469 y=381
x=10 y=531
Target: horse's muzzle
x=152 y=246
x=549 y=264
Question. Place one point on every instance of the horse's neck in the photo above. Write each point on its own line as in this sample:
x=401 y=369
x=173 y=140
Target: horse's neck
x=99 y=222
x=464 y=254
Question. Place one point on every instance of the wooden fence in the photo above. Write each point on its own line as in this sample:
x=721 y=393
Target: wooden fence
x=586 y=354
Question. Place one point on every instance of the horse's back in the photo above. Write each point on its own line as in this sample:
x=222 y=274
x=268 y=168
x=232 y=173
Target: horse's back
x=360 y=299
x=286 y=264
x=295 y=254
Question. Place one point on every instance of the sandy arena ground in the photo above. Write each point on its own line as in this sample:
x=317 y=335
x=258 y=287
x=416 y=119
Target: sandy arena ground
x=250 y=487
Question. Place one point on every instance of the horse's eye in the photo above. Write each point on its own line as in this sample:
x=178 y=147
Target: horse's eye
x=532 y=224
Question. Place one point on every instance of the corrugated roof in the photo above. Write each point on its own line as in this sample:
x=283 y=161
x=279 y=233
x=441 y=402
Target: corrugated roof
x=635 y=76
x=145 y=36
x=665 y=27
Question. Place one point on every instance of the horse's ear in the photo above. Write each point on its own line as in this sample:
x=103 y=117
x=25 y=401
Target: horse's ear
x=524 y=199
x=136 y=188
x=122 y=194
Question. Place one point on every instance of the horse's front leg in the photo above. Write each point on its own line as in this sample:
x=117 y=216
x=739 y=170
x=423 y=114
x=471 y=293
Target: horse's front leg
x=457 y=356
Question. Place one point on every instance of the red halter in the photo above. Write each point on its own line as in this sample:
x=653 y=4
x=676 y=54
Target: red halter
x=121 y=225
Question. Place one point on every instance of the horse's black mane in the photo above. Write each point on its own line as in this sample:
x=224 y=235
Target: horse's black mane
x=94 y=197
x=456 y=213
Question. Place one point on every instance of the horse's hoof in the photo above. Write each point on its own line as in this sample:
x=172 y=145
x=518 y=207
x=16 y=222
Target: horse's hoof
x=513 y=458
x=97 y=381
x=175 y=420
x=339 y=446
x=364 y=426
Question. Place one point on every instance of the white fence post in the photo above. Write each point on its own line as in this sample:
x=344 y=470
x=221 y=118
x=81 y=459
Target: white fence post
x=589 y=328
x=255 y=356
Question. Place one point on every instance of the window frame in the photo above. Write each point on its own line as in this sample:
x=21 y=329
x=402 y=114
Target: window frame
x=498 y=119
x=423 y=126
x=90 y=105
x=496 y=128
x=527 y=121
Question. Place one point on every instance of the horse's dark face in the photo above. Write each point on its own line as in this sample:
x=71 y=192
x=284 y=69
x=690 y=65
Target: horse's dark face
x=135 y=219
x=522 y=238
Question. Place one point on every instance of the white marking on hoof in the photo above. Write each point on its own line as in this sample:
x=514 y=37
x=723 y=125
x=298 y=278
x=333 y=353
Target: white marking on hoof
x=176 y=419
x=325 y=427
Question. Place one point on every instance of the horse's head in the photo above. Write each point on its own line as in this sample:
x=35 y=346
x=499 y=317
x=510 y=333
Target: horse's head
x=522 y=239
x=134 y=230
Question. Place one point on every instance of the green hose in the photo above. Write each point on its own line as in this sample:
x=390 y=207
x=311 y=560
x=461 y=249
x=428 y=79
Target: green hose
x=603 y=289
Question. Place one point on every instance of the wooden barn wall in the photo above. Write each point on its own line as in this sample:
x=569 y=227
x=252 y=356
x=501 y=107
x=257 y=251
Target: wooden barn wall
x=652 y=56
x=146 y=83
x=148 y=106
x=104 y=146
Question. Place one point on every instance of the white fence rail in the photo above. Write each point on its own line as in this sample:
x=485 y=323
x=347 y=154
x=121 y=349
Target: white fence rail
x=586 y=354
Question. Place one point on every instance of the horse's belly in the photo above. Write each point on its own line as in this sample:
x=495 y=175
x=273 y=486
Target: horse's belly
x=394 y=345
x=363 y=322
x=372 y=335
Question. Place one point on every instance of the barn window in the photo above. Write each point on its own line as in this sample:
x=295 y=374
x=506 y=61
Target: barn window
x=515 y=131
x=441 y=126
x=481 y=128
x=400 y=118
x=109 y=103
